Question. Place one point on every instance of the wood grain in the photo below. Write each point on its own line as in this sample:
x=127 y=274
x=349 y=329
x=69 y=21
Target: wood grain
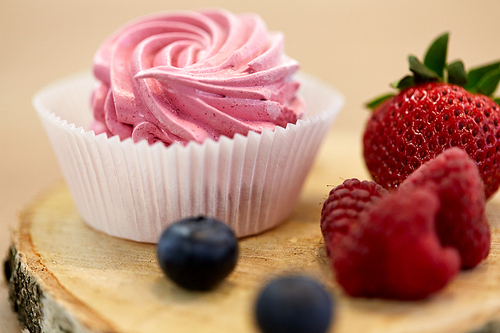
x=65 y=277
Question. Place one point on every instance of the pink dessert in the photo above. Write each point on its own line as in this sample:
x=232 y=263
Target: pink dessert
x=177 y=77
x=185 y=77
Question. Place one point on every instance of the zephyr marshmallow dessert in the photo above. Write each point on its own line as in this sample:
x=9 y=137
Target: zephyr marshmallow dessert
x=190 y=113
x=181 y=77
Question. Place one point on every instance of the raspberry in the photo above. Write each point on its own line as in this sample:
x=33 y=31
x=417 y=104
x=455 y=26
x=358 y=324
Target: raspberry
x=343 y=205
x=393 y=250
x=461 y=221
x=410 y=243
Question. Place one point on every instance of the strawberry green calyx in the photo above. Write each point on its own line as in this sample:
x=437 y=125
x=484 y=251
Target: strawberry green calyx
x=372 y=104
x=435 y=58
x=457 y=74
x=481 y=80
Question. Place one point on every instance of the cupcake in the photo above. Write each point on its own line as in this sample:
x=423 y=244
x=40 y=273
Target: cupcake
x=190 y=113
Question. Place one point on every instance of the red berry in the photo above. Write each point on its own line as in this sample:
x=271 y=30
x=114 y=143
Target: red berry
x=421 y=122
x=461 y=221
x=393 y=250
x=438 y=106
x=344 y=204
x=410 y=243
x=346 y=201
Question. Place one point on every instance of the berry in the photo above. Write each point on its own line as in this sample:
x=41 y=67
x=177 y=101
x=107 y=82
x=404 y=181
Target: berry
x=294 y=304
x=430 y=115
x=461 y=221
x=343 y=205
x=198 y=253
x=393 y=250
x=409 y=243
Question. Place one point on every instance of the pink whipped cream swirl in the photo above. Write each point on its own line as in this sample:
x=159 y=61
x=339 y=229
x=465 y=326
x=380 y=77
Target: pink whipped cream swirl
x=189 y=76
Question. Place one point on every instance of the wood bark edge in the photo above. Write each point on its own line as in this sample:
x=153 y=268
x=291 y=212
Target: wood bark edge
x=42 y=304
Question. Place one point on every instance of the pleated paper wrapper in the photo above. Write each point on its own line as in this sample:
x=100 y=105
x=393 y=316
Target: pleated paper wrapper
x=134 y=190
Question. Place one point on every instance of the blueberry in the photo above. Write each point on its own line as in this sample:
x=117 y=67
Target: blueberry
x=294 y=304
x=197 y=253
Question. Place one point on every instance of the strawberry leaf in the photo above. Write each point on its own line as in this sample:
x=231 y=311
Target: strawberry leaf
x=377 y=101
x=489 y=83
x=435 y=58
x=406 y=82
x=476 y=74
x=497 y=100
x=421 y=72
x=456 y=73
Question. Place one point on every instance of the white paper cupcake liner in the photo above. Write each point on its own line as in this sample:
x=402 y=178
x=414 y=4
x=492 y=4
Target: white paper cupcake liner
x=134 y=190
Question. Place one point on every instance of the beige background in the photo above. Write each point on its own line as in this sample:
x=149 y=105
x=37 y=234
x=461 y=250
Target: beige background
x=358 y=46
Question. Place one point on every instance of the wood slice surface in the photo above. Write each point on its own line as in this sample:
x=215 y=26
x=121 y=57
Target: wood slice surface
x=65 y=277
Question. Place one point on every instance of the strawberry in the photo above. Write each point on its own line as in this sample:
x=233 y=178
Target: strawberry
x=438 y=107
x=461 y=221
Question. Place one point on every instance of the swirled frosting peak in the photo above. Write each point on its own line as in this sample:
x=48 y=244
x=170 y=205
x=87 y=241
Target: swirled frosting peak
x=184 y=76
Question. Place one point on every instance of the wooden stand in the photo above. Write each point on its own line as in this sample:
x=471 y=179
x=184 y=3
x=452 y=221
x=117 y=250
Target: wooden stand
x=65 y=277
